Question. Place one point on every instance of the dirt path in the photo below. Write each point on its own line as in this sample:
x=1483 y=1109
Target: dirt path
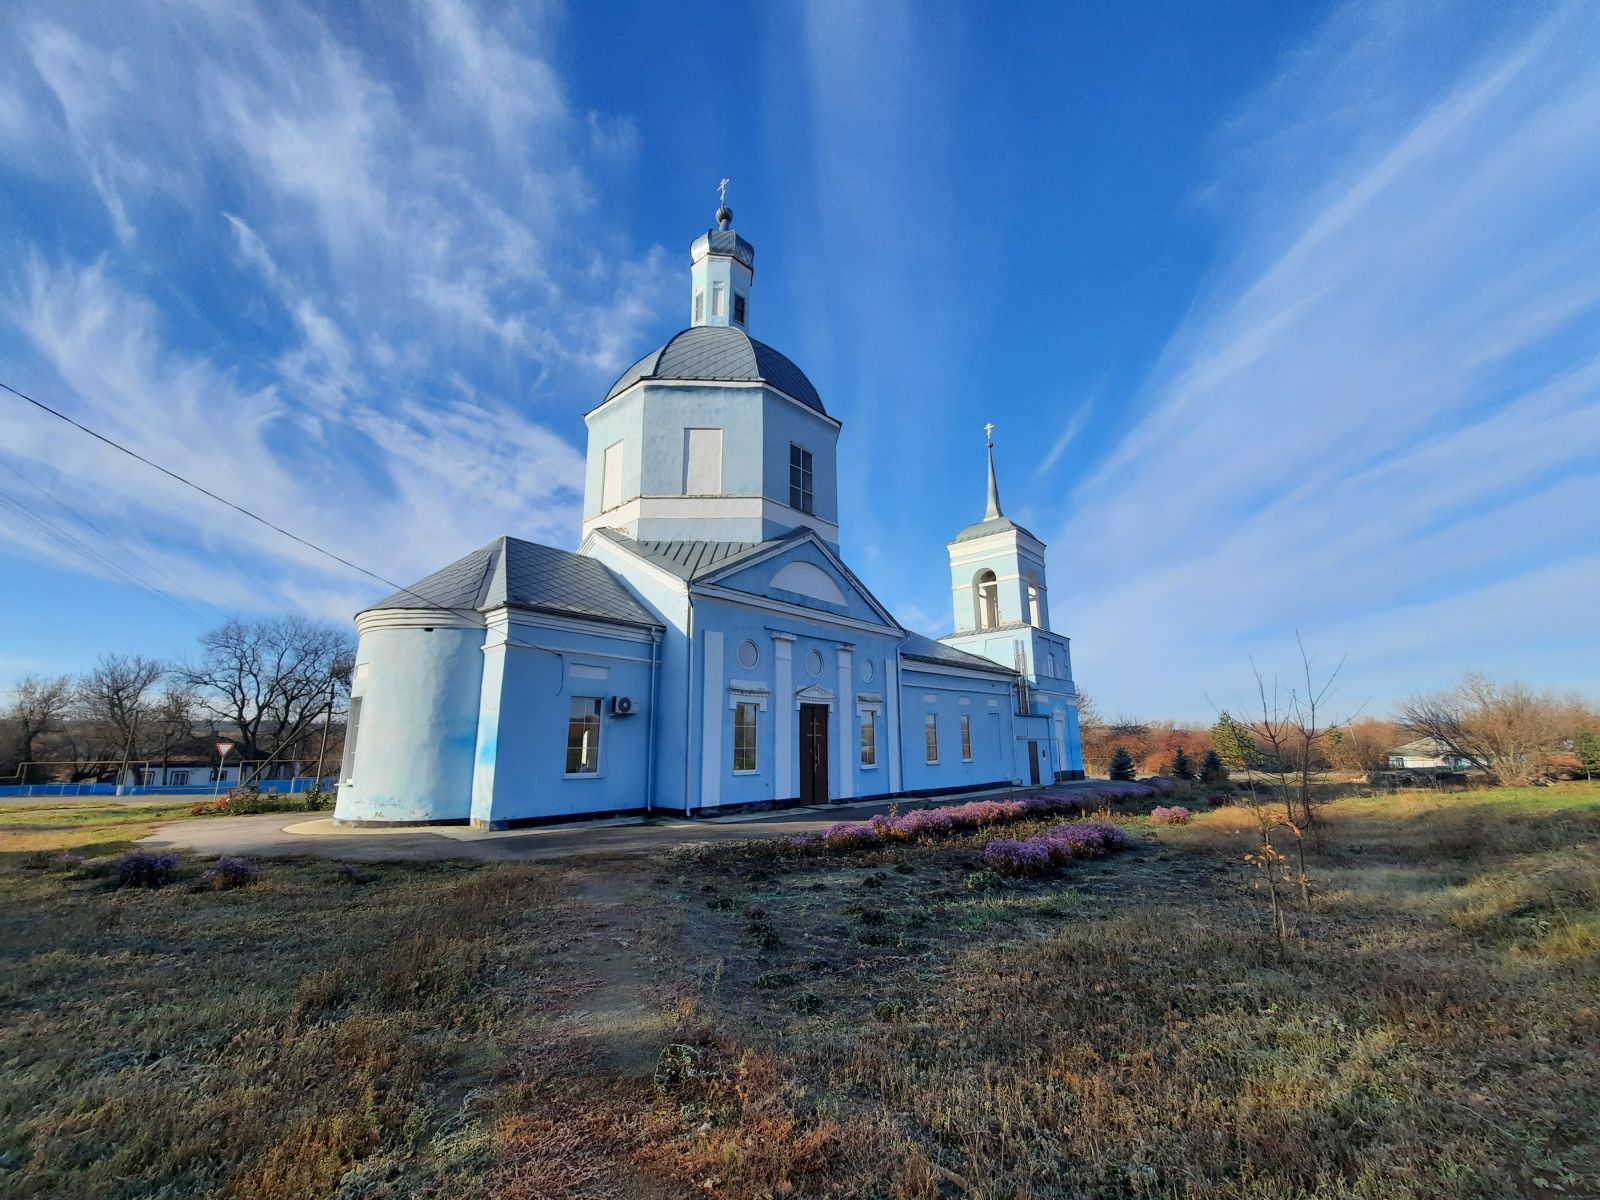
x=620 y=1016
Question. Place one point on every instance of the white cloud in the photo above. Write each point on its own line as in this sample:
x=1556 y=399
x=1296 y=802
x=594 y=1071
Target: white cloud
x=1382 y=426
x=359 y=309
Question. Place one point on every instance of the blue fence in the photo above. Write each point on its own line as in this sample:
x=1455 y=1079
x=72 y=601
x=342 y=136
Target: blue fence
x=269 y=787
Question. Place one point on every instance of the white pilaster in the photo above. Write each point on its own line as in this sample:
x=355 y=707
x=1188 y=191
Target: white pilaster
x=846 y=710
x=891 y=697
x=783 y=716
x=712 y=699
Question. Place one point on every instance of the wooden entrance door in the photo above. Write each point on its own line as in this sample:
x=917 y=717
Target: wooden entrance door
x=1033 y=763
x=813 y=754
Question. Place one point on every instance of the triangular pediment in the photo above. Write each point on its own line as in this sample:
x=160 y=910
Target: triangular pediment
x=803 y=572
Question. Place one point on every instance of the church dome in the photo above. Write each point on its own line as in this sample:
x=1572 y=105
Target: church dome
x=720 y=354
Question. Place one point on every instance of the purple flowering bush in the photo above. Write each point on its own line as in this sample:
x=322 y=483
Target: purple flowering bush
x=143 y=868
x=850 y=835
x=1006 y=857
x=230 y=871
x=1175 y=815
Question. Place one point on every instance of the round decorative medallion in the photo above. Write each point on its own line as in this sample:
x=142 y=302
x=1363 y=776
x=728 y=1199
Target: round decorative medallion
x=866 y=670
x=749 y=655
x=814 y=663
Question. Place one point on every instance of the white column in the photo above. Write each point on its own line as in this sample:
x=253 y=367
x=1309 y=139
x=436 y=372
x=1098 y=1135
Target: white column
x=847 y=725
x=713 y=699
x=784 y=715
x=891 y=700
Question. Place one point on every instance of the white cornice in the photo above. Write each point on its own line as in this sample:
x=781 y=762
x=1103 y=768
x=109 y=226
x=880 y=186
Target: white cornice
x=647 y=381
x=416 y=618
x=768 y=604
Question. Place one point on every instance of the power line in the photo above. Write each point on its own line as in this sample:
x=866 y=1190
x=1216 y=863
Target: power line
x=116 y=445
x=472 y=613
x=114 y=540
x=95 y=557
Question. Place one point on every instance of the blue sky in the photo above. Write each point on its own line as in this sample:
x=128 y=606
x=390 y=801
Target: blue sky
x=1288 y=316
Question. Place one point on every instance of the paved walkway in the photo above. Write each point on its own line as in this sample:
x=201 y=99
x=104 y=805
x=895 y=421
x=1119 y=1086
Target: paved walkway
x=293 y=835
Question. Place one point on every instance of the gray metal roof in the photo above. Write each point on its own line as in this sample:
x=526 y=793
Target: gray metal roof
x=980 y=529
x=721 y=354
x=723 y=241
x=512 y=572
x=926 y=649
x=686 y=560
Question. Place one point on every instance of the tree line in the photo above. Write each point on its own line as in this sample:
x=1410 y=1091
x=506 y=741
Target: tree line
x=270 y=686
x=1510 y=732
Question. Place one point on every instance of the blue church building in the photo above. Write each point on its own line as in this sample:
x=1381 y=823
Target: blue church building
x=705 y=649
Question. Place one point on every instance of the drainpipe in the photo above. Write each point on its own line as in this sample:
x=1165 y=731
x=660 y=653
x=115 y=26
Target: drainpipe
x=688 y=699
x=650 y=729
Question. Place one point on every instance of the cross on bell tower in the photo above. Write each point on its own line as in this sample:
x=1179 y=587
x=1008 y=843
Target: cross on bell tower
x=722 y=271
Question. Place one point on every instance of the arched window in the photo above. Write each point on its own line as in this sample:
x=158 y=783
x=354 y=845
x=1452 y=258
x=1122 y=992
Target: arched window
x=987 y=588
x=1033 y=601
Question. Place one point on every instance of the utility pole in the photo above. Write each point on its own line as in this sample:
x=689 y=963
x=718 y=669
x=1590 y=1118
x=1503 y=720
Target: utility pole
x=127 y=748
x=327 y=721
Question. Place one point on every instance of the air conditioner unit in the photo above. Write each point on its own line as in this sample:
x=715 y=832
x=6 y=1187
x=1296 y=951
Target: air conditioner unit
x=622 y=706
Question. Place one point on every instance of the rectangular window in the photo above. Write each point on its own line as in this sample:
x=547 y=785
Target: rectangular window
x=966 y=738
x=801 y=495
x=738 y=307
x=744 y=736
x=869 y=738
x=178 y=778
x=611 y=477
x=583 y=735
x=702 y=462
x=699 y=307
x=352 y=729
x=719 y=301
x=930 y=731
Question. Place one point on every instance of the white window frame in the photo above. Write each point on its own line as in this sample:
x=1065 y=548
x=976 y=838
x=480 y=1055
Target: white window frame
x=178 y=778
x=740 y=703
x=699 y=307
x=867 y=718
x=741 y=308
x=966 y=737
x=719 y=300
x=599 y=738
x=930 y=746
x=611 y=476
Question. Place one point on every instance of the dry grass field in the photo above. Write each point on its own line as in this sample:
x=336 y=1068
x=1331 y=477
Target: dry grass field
x=755 y=1019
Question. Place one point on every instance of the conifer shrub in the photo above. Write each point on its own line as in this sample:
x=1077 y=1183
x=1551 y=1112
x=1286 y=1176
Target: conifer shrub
x=1212 y=770
x=1122 y=765
x=1182 y=768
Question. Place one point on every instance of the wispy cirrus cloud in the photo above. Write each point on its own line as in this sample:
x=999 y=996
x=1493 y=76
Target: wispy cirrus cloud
x=350 y=283
x=1381 y=426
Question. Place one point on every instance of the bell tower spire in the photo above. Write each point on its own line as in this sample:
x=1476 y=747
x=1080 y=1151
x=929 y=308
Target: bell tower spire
x=722 y=271
x=992 y=512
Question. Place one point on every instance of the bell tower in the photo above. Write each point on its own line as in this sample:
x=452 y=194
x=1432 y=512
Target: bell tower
x=997 y=577
x=722 y=271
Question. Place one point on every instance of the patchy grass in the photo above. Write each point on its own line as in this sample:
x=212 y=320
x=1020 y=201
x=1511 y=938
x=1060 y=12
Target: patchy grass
x=762 y=1020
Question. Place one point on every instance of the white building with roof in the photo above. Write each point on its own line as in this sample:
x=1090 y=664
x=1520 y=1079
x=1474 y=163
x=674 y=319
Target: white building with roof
x=705 y=649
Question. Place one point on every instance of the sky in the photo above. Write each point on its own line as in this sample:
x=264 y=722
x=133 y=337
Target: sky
x=1287 y=316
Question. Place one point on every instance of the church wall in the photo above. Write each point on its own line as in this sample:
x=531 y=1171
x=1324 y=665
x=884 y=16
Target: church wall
x=621 y=420
x=949 y=695
x=419 y=688
x=667 y=599
x=789 y=423
x=778 y=677
x=668 y=411
x=535 y=667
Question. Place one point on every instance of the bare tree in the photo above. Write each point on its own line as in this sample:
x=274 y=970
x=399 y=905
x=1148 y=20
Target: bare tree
x=1504 y=729
x=112 y=701
x=39 y=707
x=266 y=681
